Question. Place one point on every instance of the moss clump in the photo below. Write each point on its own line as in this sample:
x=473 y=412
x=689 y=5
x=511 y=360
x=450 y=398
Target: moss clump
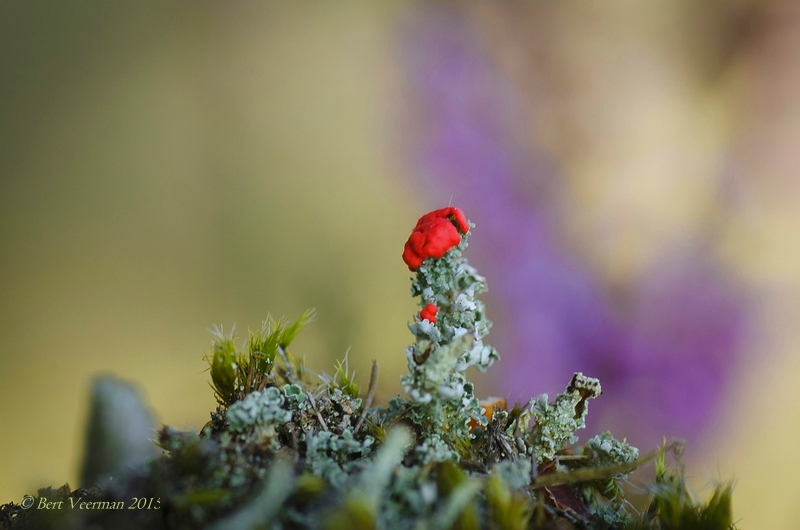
x=285 y=451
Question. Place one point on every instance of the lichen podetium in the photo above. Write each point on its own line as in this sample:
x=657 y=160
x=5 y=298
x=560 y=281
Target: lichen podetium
x=283 y=450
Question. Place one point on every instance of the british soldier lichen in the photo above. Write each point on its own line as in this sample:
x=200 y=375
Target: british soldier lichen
x=449 y=337
x=283 y=451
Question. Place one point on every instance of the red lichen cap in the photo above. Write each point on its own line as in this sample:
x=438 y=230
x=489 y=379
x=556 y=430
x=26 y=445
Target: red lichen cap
x=436 y=233
x=452 y=214
x=429 y=313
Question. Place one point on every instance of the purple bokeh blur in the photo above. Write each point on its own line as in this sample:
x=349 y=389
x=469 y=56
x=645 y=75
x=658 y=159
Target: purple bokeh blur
x=664 y=350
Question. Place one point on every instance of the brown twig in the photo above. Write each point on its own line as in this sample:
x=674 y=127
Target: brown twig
x=563 y=458
x=373 y=382
x=290 y=375
x=314 y=406
x=250 y=375
x=596 y=473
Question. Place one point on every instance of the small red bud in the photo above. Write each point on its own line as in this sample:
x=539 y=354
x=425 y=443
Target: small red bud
x=429 y=313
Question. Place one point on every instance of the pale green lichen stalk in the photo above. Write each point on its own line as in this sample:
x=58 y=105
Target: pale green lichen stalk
x=441 y=401
x=556 y=422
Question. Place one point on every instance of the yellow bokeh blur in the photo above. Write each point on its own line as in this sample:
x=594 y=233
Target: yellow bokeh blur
x=168 y=168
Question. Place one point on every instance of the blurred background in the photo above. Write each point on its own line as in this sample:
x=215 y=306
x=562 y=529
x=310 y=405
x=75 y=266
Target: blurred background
x=632 y=169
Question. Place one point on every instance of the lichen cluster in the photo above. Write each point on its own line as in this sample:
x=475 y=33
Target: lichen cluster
x=441 y=402
x=288 y=450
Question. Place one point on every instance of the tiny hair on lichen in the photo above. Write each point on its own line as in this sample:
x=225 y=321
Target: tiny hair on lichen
x=288 y=449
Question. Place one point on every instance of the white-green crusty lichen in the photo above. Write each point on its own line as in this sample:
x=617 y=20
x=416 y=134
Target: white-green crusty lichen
x=605 y=450
x=441 y=401
x=283 y=451
x=555 y=423
x=516 y=474
x=262 y=410
x=334 y=456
